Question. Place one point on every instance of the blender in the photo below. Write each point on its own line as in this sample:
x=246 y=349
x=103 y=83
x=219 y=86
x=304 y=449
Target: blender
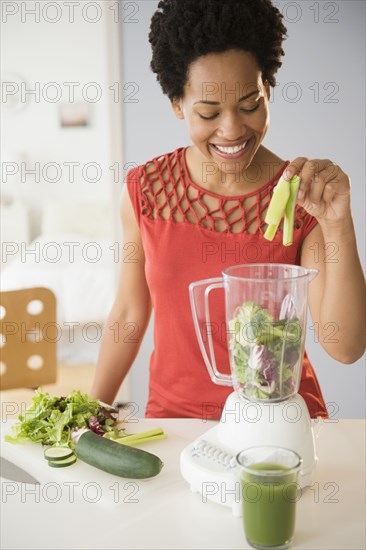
x=266 y=313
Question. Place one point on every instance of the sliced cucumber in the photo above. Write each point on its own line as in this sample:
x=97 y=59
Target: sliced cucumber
x=57 y=453
x=62 y=463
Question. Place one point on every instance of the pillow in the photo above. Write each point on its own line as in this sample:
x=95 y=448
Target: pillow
x=14 y=223
x=91 y=219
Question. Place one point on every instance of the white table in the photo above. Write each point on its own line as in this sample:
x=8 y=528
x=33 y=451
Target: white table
x=163 y=513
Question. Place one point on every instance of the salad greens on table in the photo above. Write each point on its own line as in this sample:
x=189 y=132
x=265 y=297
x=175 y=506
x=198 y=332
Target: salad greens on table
x=264 y=352
x=77 y=426
x=51 y=420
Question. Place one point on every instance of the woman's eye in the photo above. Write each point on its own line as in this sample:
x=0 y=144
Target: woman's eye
x=250 y=110
x=217 y=114
x=208 y=117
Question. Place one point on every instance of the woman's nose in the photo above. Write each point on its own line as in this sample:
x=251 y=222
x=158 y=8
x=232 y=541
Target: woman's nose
x=232 y=127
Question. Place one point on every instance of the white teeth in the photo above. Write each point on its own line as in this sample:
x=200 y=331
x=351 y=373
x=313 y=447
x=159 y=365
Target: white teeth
x=232 y=150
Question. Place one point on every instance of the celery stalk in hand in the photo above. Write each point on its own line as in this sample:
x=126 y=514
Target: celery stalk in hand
x=276 y=208
x=288 y=225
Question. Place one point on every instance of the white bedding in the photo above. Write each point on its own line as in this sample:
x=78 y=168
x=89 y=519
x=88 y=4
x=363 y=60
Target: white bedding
x=80 y=271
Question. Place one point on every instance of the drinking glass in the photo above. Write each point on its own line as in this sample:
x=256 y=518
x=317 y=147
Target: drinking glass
x=269 y=493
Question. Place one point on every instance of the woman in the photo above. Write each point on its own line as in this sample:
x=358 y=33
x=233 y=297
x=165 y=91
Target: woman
x=196 y=210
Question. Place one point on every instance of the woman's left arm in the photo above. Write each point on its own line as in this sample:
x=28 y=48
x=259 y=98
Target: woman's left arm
x=337 y=297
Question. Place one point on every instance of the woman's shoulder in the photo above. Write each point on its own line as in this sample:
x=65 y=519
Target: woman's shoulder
x=150 y=184
x=162 y=168
x=160 y=162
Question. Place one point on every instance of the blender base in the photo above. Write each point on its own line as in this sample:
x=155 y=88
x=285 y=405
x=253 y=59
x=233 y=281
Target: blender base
x=208 y=464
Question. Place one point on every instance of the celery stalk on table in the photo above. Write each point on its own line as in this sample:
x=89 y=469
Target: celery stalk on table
x=135 y=442
x=142 y=437
x=288 y=225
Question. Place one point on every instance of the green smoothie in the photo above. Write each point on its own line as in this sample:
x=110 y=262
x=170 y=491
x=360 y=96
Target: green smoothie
x=269 y=505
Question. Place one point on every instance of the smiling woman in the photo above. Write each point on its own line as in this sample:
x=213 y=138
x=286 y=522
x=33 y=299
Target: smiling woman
x=194 y=210
x=225 y=107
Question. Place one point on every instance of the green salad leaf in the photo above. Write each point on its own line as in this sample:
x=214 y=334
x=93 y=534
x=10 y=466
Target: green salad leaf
x=50 y=420
x=264 y=352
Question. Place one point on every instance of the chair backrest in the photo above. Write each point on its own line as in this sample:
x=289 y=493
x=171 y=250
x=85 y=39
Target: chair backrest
x=29 y=334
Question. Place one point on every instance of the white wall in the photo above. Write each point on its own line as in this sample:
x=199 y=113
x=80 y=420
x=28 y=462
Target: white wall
x=325 y=53
x=70 y=49
x=55 y=42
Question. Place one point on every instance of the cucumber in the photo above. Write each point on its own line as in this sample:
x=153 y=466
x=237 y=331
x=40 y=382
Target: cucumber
x=62 y=463
x=57 y=453
x=116 y=458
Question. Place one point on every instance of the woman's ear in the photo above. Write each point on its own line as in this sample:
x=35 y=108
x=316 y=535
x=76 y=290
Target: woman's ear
x=177 y=108
x=267 y=87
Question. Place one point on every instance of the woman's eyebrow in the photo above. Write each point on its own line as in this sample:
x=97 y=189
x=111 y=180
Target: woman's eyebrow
x=218 y=103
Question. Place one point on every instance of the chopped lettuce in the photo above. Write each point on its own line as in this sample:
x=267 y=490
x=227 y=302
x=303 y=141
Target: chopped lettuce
x=50 y=420
x=265 y=352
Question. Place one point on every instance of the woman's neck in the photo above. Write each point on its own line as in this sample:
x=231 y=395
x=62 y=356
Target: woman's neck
x=263 y=167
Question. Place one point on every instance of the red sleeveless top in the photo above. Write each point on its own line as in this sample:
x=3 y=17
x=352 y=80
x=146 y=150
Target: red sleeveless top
x=190 y=234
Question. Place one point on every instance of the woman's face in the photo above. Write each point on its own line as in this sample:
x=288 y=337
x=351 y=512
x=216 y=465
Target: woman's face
x=225 y=107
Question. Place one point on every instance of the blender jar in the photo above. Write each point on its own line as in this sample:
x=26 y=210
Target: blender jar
x=266 y=310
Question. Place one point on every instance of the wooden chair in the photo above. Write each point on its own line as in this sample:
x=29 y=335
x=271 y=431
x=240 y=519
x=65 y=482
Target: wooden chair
x=29 y=334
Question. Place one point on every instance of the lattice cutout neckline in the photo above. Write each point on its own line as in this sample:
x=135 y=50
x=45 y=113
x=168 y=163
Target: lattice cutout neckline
x=168 y=193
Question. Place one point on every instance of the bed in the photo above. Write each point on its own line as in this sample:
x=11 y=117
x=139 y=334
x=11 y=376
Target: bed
x=75 y=255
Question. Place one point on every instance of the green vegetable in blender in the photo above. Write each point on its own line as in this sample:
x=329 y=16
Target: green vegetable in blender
x=264 y=352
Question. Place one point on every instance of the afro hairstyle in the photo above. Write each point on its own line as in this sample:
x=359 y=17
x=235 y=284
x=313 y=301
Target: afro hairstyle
x=181 y=31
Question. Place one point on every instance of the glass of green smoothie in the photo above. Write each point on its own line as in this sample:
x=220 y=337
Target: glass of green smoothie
x=269 y=492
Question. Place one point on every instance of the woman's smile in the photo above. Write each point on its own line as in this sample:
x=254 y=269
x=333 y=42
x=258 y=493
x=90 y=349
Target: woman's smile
x=229 y=151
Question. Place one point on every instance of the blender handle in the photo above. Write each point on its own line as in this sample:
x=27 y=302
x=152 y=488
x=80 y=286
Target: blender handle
x=216 y=376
